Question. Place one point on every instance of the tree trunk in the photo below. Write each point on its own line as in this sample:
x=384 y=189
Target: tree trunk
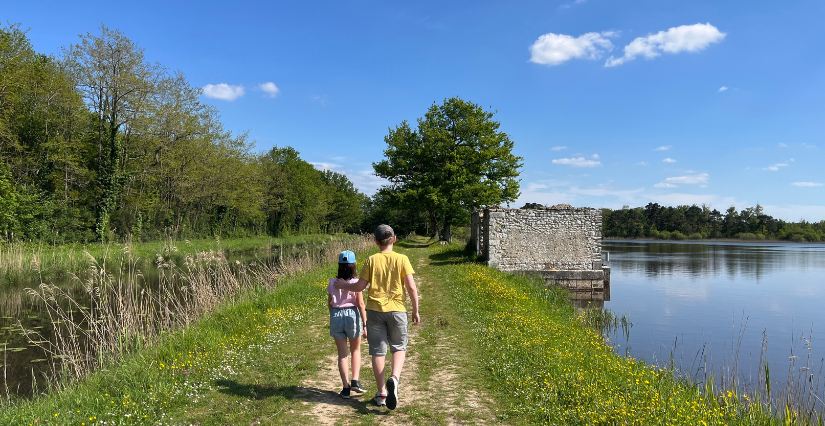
x=448 y=237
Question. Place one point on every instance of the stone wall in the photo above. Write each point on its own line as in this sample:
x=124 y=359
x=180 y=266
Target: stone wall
x=561 y=238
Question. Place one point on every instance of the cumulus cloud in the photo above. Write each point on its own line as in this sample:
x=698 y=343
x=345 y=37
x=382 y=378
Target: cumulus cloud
x=685 y=38
x=806 y=184
x=555 y=49
x=558 y=148
x=723 y=88
x=577 y=162
x=664 y=147
x=669 y=160
x=226 y=92
x=694 y=179
x=270 y=88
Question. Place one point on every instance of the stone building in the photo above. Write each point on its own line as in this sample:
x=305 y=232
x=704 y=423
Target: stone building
x=562 y=243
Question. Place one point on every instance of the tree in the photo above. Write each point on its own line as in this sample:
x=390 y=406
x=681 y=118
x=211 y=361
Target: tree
x=456 y=161
x=116 y=82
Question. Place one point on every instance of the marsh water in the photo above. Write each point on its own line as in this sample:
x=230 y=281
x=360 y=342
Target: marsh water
x=713 y=305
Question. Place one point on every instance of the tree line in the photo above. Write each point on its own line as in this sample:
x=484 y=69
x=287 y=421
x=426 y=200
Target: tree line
x=100 y=144
x=695 y=222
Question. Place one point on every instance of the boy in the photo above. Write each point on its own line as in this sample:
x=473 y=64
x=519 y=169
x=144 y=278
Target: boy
x=388 y=274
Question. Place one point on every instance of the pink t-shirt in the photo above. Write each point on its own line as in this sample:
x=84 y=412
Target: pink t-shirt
x=342 y=298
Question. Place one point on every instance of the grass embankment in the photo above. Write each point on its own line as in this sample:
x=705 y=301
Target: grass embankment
x=240 y=364
x=22 y=262
x=550 y=368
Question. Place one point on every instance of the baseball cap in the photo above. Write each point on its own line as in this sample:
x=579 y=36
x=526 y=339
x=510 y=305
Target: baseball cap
x=346 y=257
x=382 y=232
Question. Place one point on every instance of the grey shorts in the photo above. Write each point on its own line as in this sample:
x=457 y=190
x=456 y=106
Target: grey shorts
x=386 y=327
x=345 y=323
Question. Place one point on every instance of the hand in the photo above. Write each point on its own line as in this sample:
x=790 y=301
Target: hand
x=337 y=282
x=415 y=318
x=365 y=330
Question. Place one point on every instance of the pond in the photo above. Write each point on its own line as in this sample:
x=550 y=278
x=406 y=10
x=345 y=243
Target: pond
x=717 y=307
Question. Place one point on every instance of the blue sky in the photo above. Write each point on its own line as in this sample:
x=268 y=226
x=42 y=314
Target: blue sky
x=610 y=103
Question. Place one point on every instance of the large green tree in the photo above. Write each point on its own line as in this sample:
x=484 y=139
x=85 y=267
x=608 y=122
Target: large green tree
x=456 y=161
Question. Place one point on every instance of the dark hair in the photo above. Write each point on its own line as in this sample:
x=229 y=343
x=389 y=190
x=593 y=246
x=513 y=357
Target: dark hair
x=347 y=271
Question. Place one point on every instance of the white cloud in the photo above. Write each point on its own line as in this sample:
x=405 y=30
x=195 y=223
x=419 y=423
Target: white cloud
x=595 y=156
x=775 y=167
x=783 y=145
x=226 y=92
x=669 y=160
x=363 y=180
x=664 y=148
x=641 y=163
x=270 y=88
x=555 y=49
x=723 y=88
x=558 y=148
x=795 y=213
x=685 y=38
x=806 y=184
x=577 y=162
x=694 y=179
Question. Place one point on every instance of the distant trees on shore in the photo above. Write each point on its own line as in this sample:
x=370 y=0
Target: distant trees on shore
x=695 y=222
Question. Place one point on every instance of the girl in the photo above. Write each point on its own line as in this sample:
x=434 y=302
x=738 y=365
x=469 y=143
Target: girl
x=347 y=320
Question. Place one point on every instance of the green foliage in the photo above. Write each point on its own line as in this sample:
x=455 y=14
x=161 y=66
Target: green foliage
x=103 y=145
x=694 y=222
x=456 y=161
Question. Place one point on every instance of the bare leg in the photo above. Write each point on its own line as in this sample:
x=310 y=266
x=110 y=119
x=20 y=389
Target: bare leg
x=341 y=344
x=378 y=370
x=355 y=350
x=398 y=363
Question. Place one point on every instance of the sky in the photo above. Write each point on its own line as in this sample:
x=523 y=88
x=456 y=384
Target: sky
x=609 y=103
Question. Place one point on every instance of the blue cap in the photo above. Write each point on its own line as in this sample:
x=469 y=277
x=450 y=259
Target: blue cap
x=346 y=257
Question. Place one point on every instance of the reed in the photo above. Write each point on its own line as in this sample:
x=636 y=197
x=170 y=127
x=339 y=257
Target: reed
x=117 y=312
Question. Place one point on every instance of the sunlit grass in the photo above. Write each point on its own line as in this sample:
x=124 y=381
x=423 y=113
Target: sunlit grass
x=549 y=367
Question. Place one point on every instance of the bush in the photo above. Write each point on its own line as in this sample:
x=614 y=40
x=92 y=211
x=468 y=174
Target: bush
x=747 y=236
x=664 y=235
x=695 y=236
x=676 y=235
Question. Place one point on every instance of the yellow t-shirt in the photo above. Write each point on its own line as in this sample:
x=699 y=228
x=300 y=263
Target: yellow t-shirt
x=385 y=273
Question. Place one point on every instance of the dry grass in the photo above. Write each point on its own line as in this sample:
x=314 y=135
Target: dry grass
x=117 y=312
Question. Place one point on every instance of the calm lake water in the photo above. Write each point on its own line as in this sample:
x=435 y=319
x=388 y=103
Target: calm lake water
x=695 y=295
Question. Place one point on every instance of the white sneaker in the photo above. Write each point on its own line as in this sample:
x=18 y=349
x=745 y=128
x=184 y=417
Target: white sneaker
x=380 y=399
x=392 y=393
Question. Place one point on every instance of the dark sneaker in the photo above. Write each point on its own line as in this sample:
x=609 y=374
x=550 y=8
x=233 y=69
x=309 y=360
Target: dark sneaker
x=357 y=387
x=392 y=393
x=380 y=399
x=345 y=393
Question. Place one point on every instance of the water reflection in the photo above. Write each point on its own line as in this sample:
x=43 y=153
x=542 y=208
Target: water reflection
x=689 y=298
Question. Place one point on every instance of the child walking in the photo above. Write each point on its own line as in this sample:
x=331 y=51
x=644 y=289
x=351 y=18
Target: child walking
x=390 y=277
x=347 y=320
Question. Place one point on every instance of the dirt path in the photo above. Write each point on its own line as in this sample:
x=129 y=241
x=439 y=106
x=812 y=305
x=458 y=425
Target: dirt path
x=436 y=387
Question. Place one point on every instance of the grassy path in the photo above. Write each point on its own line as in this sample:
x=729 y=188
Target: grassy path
x=439 y=383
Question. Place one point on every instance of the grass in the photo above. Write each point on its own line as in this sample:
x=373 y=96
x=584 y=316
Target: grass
x=554 y=369
x=239 y=364
x=515 y=346
x=22 y=263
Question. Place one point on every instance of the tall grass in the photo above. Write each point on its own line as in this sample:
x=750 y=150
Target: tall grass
x=118 y=313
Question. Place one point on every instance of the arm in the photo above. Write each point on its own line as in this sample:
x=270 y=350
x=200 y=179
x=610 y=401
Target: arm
x=412 y=290
x=329 y=302
x=362 y=307
x=358 y=286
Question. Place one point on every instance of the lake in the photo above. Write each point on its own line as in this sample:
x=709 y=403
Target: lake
x=701 y=301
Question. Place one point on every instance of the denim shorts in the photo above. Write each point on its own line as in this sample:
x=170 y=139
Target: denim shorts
x=345 y=323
